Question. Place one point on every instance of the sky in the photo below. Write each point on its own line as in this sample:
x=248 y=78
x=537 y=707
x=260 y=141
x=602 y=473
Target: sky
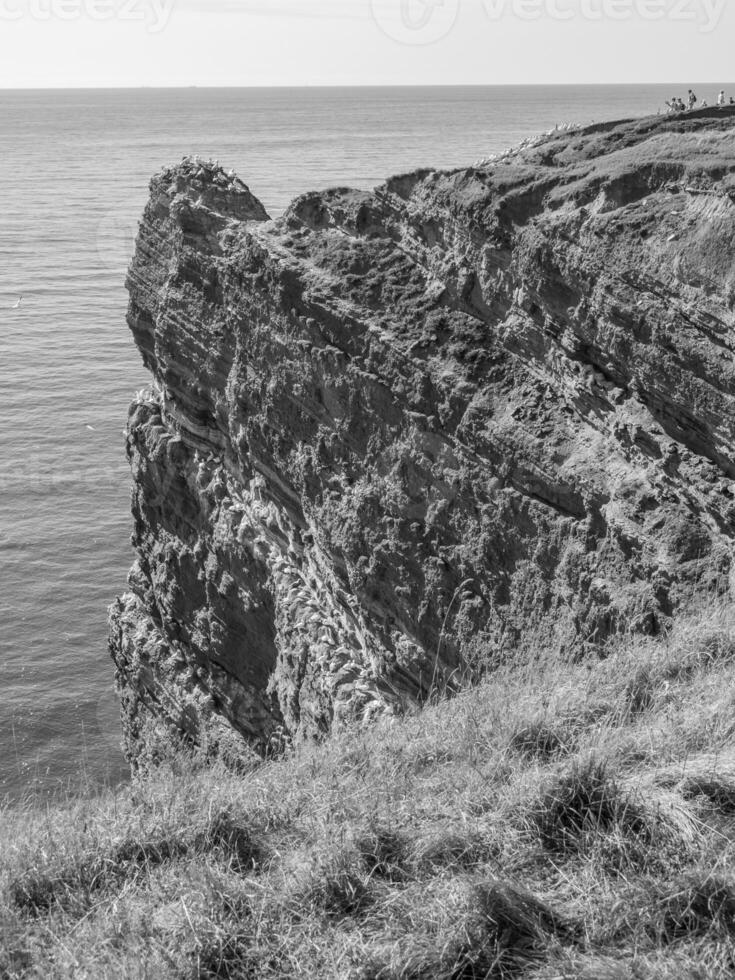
x=111 y=43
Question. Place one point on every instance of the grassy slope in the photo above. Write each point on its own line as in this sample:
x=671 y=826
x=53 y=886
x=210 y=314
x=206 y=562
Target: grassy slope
x=560 y=820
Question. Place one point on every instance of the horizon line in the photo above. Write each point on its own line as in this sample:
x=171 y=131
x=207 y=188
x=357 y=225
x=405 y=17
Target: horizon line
x=335 y=85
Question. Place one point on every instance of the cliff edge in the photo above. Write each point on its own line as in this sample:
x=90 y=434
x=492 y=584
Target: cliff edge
x=391 y=433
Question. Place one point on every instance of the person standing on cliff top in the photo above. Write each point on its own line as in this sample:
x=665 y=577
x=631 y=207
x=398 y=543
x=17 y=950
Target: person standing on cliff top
x=721 y=98
x=692 y=99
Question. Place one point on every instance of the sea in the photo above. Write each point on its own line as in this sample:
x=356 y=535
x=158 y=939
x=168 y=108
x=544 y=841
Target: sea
x=74 y=173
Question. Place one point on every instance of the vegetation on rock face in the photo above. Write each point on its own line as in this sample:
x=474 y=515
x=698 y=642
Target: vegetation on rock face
x=561 y=820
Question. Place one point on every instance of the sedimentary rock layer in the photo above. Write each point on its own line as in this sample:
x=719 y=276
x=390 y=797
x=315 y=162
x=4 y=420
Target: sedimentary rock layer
x=392 y=433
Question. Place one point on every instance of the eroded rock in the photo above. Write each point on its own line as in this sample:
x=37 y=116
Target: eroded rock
x=391 y=433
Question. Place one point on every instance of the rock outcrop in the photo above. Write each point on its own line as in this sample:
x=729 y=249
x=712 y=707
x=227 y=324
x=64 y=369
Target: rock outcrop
x=390 y=434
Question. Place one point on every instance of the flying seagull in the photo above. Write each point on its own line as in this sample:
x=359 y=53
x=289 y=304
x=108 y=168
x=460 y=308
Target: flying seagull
x=16 y=306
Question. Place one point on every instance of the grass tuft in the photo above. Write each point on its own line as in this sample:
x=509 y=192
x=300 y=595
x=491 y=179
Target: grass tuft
x=640 y=691
x=539 y=740
x=452 y=850
x=235 y=843
x=39 y=888
x=337 y=889
x=696 y=905
x=584 y=804
x=717 y=791
x=384 y=853
x=226 y=955
x=512 y=928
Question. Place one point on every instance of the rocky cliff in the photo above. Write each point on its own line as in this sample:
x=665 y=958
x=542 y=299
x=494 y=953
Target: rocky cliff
x=393 y=433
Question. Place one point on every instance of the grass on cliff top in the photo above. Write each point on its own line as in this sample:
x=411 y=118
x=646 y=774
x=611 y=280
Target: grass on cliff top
x=561 y=820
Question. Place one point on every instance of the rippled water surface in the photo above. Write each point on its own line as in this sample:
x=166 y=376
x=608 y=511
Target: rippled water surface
x=74 y=171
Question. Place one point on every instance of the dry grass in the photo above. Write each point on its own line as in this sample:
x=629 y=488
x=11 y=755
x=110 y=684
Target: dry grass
x=561 y=820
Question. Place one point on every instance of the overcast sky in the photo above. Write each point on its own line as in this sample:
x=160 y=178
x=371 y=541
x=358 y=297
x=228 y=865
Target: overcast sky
x=361 y=42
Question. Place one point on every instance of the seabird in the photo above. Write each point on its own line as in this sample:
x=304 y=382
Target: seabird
x=16 y=306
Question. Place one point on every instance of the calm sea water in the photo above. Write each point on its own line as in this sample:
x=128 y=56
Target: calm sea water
x=74 y=172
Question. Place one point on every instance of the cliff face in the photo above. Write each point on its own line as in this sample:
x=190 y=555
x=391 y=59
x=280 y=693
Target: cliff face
x=392 y=432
